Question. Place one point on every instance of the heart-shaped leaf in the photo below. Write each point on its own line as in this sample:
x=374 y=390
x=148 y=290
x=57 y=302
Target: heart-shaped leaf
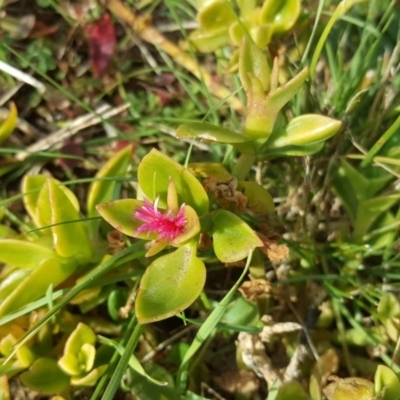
x=154 y=173
x=170 y=284
x=233 y=239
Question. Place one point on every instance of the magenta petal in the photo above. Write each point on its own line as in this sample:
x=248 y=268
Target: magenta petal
x=166 y=225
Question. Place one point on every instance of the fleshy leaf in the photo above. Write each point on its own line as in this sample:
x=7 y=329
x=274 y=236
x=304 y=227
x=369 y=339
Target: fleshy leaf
x=290 y=151
x=23 y=254
x=282 y=14
x=207 y=169
x=31 y=186
x=233 y=238
x=291 y=390
x=119 y=214
x=388 y=382
x=10 y=283
x=262 y=111
x=259 y=199
x=70 y=365
x=35 y=285
x=170 y=284
x=45 y=376
x=213 y=133
x=154 y=173
x=216 y=14
x=253 y=61
x=306 y=130
x=80 y=336
x=208 y=41
x=8 y=125
x=91 y=378
x=69 y=238
x=101 y=191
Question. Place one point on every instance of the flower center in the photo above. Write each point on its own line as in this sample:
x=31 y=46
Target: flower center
x=166 y=225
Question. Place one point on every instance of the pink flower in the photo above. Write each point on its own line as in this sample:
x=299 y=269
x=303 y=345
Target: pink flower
x=168 y=225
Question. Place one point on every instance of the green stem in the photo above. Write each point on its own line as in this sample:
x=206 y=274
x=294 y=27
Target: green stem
x=243 y=166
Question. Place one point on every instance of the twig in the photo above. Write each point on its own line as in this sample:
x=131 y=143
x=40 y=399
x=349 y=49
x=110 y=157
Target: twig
x=22 y=76
x=56 y=139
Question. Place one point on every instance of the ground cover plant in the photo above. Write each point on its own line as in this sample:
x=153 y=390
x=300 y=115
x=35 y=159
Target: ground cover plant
x=199 y=200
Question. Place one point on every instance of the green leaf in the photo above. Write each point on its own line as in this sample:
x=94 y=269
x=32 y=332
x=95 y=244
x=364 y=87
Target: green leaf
x=91 y=378
x=306 y=130
x=45 y=376
x=207 y=41
x=252 y=61
x=154 y=173
x=216 y=14
x=386 y=382
x=8 y=125
x=233 y=239
x=144 y=389
x=259 y=199
x=81 y=335
x=6 y=232
x=35 y=285
x=10 y=282
x=291 y=390
x=262 y=35
x=102 y=190
x=119 y=214
x=213 y=133
x=69 y=235
x=369 y=211
x=31 y=187
x=133 y=252
x=262 y=111
x=70 y=364
x=23 y=254
x=170 y=284
x=241 y=312
x=357 y=180
x=388 y=307
x=282 y=15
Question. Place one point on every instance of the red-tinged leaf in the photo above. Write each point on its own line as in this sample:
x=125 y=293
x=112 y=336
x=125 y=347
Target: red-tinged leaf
x=102 y=41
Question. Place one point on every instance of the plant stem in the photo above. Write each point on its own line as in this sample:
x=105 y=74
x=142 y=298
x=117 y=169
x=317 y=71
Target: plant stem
x=243 y=166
